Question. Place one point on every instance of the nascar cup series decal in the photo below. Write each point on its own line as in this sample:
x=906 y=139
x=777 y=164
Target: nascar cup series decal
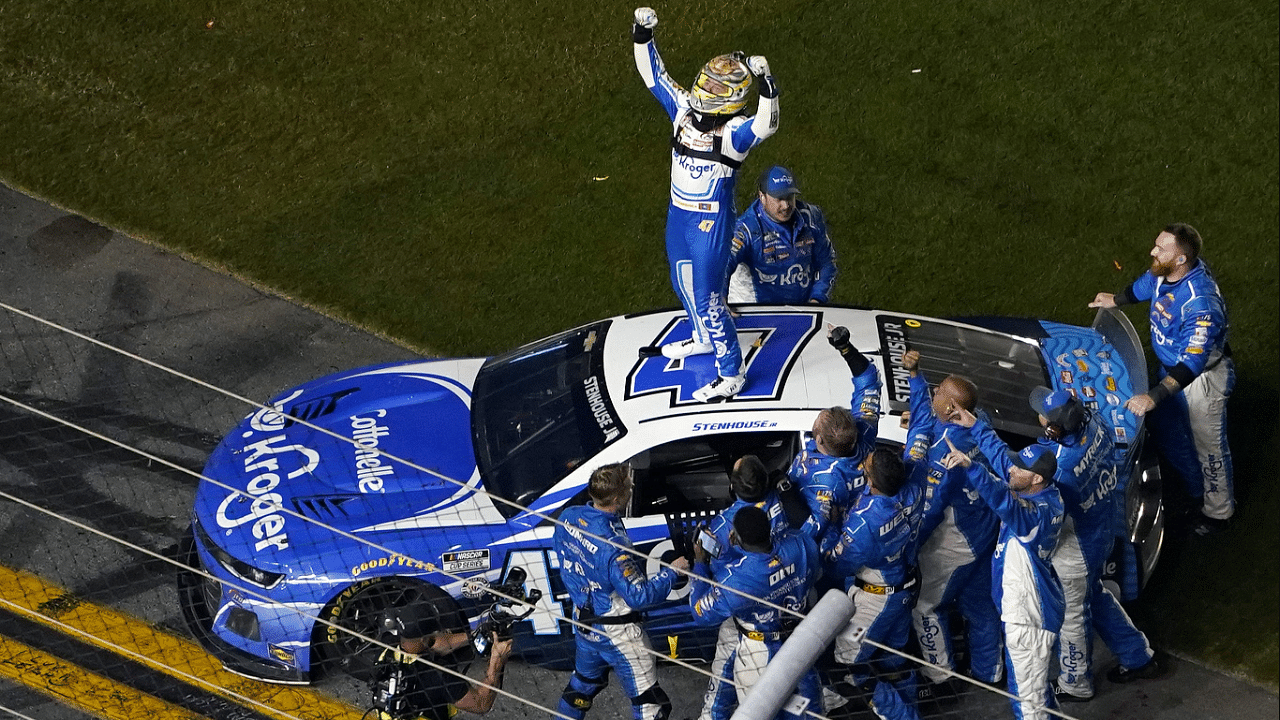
x=771 y=345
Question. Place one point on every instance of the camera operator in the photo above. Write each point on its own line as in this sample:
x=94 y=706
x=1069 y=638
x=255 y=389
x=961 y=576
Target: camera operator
x=429 y=692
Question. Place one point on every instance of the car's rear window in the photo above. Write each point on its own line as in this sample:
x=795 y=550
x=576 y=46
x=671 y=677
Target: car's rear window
x=540 y=411
x=1004 y=367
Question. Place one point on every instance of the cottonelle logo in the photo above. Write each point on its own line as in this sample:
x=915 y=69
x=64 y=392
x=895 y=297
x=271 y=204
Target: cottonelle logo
x=370 y=468
x=262 y=461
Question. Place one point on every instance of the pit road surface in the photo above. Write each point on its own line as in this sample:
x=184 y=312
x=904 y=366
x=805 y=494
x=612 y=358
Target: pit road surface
x=131 y=295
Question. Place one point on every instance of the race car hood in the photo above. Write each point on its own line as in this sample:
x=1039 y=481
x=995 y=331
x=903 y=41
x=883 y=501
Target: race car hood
x=359 y=451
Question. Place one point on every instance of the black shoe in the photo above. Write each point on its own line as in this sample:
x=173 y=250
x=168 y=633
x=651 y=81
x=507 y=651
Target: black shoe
x=1153 y=669
x=1063 y=696
x=1205 y=525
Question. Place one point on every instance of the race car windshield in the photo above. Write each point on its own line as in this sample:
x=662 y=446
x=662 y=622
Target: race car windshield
x=540 y=411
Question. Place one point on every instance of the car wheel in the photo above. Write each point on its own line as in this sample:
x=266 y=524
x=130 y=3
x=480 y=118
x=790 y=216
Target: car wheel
x=355 y=619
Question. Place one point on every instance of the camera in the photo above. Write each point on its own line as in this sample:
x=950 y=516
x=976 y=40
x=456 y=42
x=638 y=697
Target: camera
x=511 y=603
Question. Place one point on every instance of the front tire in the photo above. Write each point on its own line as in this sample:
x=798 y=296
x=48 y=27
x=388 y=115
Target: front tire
x=356 y=616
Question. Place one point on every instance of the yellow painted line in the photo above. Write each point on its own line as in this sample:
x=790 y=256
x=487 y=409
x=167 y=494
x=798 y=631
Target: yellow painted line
x=81 y=689
x=175 y=656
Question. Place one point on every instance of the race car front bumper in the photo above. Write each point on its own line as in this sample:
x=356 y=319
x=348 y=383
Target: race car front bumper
x=199 y=595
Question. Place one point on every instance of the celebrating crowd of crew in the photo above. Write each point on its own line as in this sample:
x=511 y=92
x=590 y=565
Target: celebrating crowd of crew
x=1015 y=541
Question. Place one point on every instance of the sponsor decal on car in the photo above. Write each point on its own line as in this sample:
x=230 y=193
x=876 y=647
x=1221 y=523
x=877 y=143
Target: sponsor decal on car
x=370 y=469
x=459 y=561
x=284 y=655
x=391 y=561
x=262 y=462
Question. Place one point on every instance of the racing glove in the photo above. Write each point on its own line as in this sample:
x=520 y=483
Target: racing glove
x=839 y=339
x=646 y=21
x=760 y=68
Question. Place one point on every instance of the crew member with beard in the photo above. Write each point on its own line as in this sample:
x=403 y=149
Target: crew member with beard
x=1189 y=337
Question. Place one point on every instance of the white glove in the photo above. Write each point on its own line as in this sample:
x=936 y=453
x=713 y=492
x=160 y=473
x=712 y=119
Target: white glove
x=646 y=17
x=758 y=65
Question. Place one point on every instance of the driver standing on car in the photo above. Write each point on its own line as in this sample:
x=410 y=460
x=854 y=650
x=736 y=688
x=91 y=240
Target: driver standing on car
x=607 y=583
x=429 y=692
x=710 y=140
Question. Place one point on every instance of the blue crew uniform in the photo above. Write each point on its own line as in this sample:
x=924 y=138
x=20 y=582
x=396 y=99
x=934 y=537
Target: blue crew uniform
x=957 y=535
x=608 y=588
x=1088 y=479
x=829 y=484
x=752 y=585
x=1189 y=336
x=874 y=555
x=1024 y=585
x=721 y=698
x=700 y=218
x=788 y=263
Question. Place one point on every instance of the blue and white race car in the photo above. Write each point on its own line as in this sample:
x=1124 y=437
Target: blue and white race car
x=428 y=481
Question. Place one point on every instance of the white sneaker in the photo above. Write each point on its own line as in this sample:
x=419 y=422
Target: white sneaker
x=685 y=348
x=721 y=387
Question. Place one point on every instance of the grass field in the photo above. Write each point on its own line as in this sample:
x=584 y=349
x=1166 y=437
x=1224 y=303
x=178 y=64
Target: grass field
x=465 y=178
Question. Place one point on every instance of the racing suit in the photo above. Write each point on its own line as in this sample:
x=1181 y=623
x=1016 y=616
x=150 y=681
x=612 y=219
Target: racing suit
x=1189 y=336
x=788 y=263
x=1024 y=585
x=752 y=585
x=1087 y=478
x=874 y=555
x=608 y=587
x=721 y=698
x=704 y=165
x=957 y=535
x=828 y=484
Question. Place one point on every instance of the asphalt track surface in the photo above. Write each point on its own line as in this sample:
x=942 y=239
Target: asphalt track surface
x=71 y=271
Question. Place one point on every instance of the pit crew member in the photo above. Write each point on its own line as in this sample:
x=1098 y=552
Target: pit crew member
x=710 y=140
x=1087 y=477
x=875 y=555
x=607 y=584
x=1024 y=585
x=826 y=470
x=771 y=572
x=957 y=535
x=750 y=484
x=1189 y=336
x=781 y=252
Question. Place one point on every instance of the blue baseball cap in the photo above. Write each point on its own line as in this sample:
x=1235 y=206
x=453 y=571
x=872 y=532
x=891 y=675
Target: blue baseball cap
x=1060 y=407
x=778 y=182
x=1037 y=458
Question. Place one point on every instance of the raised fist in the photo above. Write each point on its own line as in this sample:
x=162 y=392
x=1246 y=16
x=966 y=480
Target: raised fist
x=838 y=337
x=646 y=17
x=756 y=64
